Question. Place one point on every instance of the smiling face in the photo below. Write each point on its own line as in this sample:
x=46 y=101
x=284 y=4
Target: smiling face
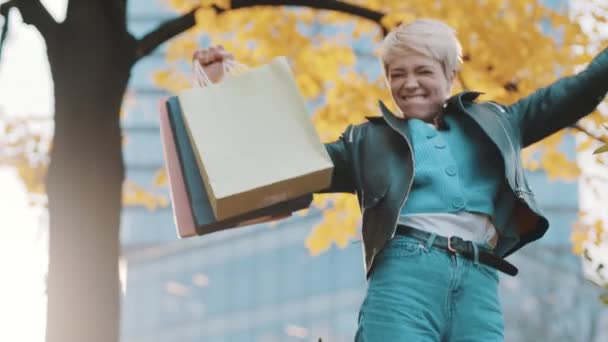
x=420 y=60
x=418 y=84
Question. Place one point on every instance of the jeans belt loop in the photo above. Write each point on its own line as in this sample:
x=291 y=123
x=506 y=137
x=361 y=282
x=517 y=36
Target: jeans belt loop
x=475 y=254
x=430 y=241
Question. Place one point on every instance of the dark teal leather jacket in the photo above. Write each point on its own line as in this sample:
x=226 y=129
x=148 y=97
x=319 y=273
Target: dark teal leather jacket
x=374 y=159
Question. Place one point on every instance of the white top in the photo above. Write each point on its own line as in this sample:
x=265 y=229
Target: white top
x=466 y=225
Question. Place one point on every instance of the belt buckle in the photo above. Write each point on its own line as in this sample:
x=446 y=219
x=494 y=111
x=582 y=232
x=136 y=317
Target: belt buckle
x=450 y=248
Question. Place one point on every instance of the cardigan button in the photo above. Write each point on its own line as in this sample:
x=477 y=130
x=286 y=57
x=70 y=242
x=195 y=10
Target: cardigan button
x=431 y=134
x=440 y=146
x=458 y=203
x=450 y=170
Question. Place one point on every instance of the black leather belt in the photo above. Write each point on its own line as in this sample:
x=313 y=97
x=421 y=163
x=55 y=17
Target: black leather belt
x=456 y=245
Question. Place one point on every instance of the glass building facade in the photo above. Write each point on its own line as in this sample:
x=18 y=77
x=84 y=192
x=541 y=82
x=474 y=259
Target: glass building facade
x=253 y=284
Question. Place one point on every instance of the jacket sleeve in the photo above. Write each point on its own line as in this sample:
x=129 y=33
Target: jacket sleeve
x=562 y=103
x=340 y=152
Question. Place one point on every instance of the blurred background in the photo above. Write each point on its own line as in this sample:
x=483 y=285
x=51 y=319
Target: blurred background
x=302 y=278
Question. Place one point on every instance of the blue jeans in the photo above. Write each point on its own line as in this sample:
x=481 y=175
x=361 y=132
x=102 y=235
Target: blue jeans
x=421 y=294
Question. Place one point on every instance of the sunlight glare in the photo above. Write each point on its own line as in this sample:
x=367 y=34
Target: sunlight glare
x=23 y=261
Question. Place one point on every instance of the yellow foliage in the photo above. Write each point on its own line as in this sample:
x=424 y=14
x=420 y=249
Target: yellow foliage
x=205 y=17
x=393 y=19
x=585 y=145
x=319 y=240
x=578 y=239
x=600 y=232
x=187 y=5
x=338 y=225
x=309 y=87
x=182 y=5
x=160 y=179
x=171 y=80
x=32 y=177
x=181 y=48
x=225 y=4
x=135 y=195
x=551 y=159
x=586 y=233
x=24 y=147
x=503 y=43
x=557 y=166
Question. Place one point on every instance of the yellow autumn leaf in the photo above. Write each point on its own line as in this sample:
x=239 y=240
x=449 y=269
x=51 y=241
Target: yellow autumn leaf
x=558 y=166
x=172 y=80
x=578 y=238
x=136 y=195
x=181 y=48
x=225 y=4
x=585 y=144
x=205 y=18
x=319 y=240
x=160 y=179
x=393 y=19
x=598 y=231
x=182 y=5
x=308 y=86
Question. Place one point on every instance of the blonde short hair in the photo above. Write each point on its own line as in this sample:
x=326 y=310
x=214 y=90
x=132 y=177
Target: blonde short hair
x=429 y=37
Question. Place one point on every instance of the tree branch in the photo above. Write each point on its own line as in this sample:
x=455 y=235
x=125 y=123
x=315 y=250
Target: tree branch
x=164 y=32
x=33 y=13
x=178 y=25
x=599 y=138
x=333 y=5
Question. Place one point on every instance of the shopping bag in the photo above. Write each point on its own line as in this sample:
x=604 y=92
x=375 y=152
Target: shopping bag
x=253 y=140
x=191 y=208
x=182 y=209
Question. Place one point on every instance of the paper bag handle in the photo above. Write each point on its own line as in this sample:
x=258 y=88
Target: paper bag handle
x=231 y=68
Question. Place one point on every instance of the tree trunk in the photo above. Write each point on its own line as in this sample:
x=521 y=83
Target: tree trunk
x=90 y=73
x=91 y=55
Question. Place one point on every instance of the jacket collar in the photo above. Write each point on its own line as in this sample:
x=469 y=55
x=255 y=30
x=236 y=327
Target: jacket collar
x=387 y=115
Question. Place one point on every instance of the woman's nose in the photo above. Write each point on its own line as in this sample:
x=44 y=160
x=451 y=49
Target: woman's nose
x=411 y=82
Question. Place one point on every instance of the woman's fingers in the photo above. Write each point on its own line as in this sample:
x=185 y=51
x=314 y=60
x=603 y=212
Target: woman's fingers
x=226 y=55
x=211 y=60
x=211 y=55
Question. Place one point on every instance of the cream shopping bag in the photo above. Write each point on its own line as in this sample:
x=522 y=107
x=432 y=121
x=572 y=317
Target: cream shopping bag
x=191 y=207
x=253 y=139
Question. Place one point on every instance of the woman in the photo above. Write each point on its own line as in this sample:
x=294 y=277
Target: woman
x=442 y=190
